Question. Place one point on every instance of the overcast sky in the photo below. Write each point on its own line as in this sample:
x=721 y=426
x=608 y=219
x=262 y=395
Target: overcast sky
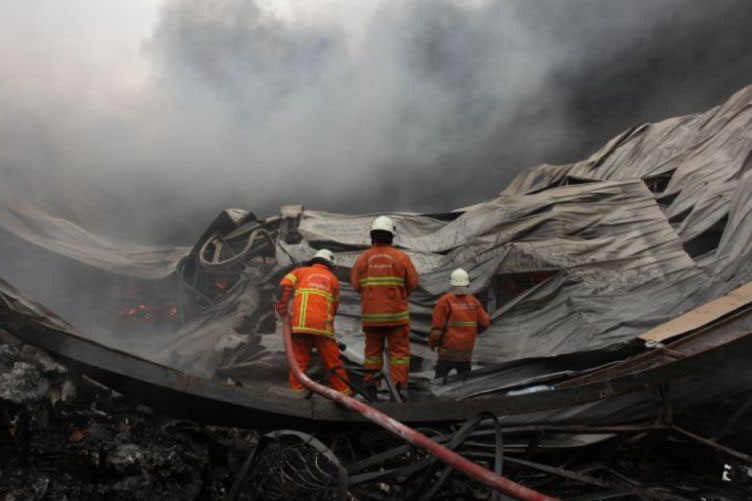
x=144 y=118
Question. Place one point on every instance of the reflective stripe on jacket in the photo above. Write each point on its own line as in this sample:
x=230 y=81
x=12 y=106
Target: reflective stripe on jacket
x=315 y=300
x=384 y=276
x=458 y=317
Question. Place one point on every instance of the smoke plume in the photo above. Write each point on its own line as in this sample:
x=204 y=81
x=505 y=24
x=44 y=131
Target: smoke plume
x=397 y=105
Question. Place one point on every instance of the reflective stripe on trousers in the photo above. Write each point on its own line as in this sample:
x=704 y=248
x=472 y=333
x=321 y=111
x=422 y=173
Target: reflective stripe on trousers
x=399 y=360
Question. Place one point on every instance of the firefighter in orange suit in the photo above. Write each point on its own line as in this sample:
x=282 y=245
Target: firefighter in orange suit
x=457 y=318
x=384 y=277
x=315 y=302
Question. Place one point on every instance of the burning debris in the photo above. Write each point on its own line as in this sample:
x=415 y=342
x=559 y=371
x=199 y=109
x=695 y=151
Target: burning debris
x=140 y=309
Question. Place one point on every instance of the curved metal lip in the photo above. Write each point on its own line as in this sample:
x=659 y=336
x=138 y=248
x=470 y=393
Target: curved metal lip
x=216 y=402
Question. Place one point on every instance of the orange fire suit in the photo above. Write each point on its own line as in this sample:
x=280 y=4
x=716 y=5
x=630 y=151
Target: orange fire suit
x=455 y=323
x=315 y=303
x=384 y=276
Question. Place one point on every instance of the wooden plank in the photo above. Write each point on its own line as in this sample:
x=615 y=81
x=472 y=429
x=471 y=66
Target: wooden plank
x=701 y=316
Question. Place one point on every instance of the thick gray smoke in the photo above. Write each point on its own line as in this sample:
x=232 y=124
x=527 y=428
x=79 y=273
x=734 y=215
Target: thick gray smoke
x=414 y=105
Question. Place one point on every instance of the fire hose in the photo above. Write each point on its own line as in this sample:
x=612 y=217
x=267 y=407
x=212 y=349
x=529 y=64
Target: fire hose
x=451 y=458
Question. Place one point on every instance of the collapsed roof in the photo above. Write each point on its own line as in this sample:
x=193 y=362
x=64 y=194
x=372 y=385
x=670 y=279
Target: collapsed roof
x=568 y=259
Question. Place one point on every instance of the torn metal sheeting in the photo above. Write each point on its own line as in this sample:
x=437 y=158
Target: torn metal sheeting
x=574 y=263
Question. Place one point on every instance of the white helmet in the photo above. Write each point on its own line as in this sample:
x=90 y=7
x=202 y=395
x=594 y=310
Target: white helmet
x=383 y=223
x=459 y=278
x=326 y=255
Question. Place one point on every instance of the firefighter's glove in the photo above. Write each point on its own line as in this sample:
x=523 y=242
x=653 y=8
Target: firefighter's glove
x=433 y=339
x=281 y=309
x=283 y=297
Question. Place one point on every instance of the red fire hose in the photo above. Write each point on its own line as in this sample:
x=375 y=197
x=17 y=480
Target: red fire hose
x=416 y=438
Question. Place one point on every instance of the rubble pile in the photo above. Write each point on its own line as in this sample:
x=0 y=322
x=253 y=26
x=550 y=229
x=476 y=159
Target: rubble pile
x=63 y=436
